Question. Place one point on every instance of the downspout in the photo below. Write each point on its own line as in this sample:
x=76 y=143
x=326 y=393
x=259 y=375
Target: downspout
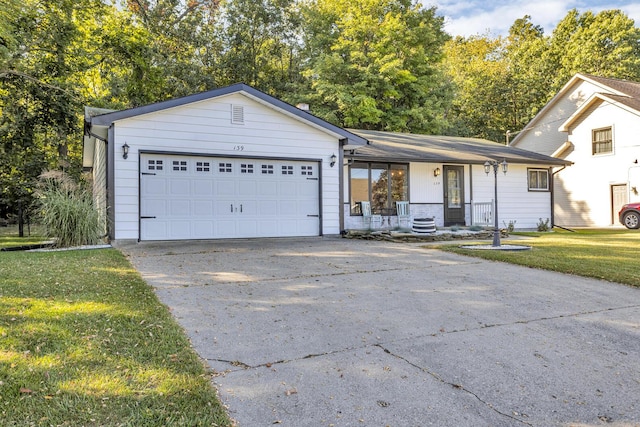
x=553 y=199
x=471 y=193
x=340 y=164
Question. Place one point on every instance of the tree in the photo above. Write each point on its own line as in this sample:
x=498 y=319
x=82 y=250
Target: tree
x=478 y=74
x=260 y=43
x=606 y=44
x=372 y=64
x=502 y=83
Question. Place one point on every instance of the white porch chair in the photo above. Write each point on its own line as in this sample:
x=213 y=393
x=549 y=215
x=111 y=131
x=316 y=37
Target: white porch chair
x=402 y=209
x=367 y=216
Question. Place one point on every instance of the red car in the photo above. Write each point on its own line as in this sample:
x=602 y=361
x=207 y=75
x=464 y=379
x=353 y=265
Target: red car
x=629 y=215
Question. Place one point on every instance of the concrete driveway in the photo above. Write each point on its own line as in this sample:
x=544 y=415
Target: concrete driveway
x=337 y=332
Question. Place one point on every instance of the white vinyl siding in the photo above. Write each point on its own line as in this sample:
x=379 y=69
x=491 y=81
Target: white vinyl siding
x=204 y=128
x=515 y=203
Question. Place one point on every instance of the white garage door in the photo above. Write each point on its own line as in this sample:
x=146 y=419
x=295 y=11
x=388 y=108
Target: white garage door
x=191 y=197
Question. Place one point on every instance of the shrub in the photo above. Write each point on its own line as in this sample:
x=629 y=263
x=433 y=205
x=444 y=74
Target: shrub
x=543 y=225
x=476 y=228
x=67 y=210
x=510 y=227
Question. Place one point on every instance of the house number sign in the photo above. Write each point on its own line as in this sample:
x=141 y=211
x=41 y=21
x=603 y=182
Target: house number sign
x=238 y=148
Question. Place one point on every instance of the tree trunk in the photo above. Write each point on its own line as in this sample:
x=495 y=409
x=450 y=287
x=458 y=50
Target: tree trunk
x=20 y=219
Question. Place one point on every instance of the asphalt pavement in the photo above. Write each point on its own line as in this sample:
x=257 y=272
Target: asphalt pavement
x=339 y=332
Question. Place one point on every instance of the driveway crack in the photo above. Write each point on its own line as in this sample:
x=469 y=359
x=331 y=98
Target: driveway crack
x=453 y=385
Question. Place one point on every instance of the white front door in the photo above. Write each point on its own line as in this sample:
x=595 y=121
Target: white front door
x=193 y=197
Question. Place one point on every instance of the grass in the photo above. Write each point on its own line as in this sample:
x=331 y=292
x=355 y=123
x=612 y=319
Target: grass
x=602 y=254
x=85 y=342
x=9 y=236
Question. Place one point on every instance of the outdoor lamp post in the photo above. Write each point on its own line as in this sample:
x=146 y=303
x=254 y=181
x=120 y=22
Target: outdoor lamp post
x=487 y=168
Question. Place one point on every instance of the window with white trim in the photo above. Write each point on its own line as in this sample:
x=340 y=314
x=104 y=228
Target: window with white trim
x=267 y=169
x=602 y=141
x=246 y=168
x=538 y=179
x=224 y=167
x=306 y=170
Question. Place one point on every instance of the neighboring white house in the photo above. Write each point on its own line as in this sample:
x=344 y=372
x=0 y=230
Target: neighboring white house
x=592 y=122
x=237 y=163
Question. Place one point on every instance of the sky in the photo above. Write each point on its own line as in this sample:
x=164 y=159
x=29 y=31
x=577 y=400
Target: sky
x=472 y=17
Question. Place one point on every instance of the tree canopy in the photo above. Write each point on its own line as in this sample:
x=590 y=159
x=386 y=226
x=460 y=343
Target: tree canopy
x=501 y=83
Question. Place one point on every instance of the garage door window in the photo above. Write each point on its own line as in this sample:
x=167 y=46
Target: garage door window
x=203 y=166
x=154 y=165
x=306 y=170
x=225 y=167
x=287 y=170
x=180 y=165
x=246 y=168
x=267 y=169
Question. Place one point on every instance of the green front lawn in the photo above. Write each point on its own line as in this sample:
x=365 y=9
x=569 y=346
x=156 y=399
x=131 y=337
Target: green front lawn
x=33 y=235
x=85 y=342
x=612 y=255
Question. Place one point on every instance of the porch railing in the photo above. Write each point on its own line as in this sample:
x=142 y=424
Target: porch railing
x=482 y=213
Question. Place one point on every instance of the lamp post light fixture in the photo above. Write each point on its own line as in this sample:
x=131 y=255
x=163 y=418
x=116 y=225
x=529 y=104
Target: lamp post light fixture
x=487 y=168
x=125 y=151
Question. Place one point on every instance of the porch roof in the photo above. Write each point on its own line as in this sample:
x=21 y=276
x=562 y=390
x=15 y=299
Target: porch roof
x=407 y=147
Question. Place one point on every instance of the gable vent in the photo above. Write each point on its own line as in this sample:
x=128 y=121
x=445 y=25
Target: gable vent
x=237 y=114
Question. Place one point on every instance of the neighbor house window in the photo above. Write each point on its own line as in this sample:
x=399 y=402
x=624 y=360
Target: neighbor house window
x=602 y=141
x=538 y=180
x=382 y=184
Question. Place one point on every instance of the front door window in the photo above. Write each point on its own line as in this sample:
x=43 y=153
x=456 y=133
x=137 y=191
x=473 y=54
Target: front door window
x=454 y=187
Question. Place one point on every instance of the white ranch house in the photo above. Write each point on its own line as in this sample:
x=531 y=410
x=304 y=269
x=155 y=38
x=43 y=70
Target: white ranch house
x=235 y=162
x=592 y=122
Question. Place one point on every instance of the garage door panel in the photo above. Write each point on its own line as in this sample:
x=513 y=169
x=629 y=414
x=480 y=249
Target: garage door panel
x=180 y=187
x=203 y=229
x=203 y=208
x=268 y=228
x=247 y=188
x=179 y=208
x=225 y=187
x=153 y=207
x=225 y=228
x=154 y=229
x=180 y=228
x=202 y=187
x=267 y=188
x=267 y=208
x=192 y=197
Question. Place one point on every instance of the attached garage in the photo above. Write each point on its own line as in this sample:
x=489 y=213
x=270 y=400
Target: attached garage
x=229 y=163
x=196 y=197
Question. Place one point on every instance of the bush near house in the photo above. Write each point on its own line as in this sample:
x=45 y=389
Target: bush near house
x=68 y=211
